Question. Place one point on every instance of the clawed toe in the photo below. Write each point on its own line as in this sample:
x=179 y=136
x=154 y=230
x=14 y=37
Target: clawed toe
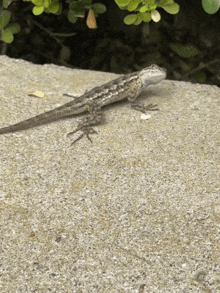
x=86 y=132
x=151 y=107
x=143 y=109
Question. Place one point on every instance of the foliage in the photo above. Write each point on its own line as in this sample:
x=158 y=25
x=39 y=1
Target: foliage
x=187 y=53
x=78 y=9
x=210 y=6
x=7 y=30
x=142 y=11
x=48 y=6
x=146 y=10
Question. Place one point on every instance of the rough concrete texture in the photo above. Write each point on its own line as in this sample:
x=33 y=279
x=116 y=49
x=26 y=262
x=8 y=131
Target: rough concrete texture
x=136 y=211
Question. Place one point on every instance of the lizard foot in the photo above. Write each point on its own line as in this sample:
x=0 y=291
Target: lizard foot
x=84 y=125
x=143 y=109
x=86 y=132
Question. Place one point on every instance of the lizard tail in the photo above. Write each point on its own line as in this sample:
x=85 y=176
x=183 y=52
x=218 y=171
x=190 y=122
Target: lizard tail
x=44 y=118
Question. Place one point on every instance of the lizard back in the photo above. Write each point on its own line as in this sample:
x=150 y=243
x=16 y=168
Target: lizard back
x=102 y=95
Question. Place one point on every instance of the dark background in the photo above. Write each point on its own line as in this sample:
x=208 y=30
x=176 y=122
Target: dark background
x=117 y=47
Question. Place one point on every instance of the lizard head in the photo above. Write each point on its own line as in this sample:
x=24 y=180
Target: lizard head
x=152 y=75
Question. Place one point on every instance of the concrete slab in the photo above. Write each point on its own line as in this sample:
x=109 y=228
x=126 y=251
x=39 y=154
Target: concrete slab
x=136 y=211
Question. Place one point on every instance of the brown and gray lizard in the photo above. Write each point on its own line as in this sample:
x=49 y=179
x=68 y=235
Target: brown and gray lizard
x=126 y=86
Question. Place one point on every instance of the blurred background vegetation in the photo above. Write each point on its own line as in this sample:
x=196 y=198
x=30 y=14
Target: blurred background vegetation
x=116 y=36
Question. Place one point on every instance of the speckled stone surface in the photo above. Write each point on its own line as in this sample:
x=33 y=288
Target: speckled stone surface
x=136 y=211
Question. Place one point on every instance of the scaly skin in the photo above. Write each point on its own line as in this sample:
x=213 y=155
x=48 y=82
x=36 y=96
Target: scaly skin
x=126 y=86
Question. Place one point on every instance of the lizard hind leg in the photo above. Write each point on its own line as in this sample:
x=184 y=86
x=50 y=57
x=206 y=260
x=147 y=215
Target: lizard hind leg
x=84 y=125
x=86 y=131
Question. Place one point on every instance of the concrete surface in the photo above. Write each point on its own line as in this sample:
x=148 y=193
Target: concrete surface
x=136 y=211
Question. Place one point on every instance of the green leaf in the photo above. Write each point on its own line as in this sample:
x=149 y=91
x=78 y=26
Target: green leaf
x=185 y=51
x=146 y=17
x=130 y=19
x=13 y=27
x=200 y=76
x=185 y=66
x=132 y=6
x=151 y=2
x=166 y=2
x=78 y=8
x=122 y=3
x=71 y=16
x=144 y=8
x=37 y=10
x=5 y=17
x=138 y=20
x=73 y=5
x=80 y=12
x=6 y=3
x=98 y=8
x=172 y=8
x=152 y=7
x=7 y=37
x=38 y=2
x=60 y=9
x=54 y=7
x=47 y=3
x=210 y=6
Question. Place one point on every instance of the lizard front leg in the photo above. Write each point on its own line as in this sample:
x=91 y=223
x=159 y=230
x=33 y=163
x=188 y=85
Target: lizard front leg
x=142 y=108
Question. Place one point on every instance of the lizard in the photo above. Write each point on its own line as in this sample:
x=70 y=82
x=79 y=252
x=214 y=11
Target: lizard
x=125 y=86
